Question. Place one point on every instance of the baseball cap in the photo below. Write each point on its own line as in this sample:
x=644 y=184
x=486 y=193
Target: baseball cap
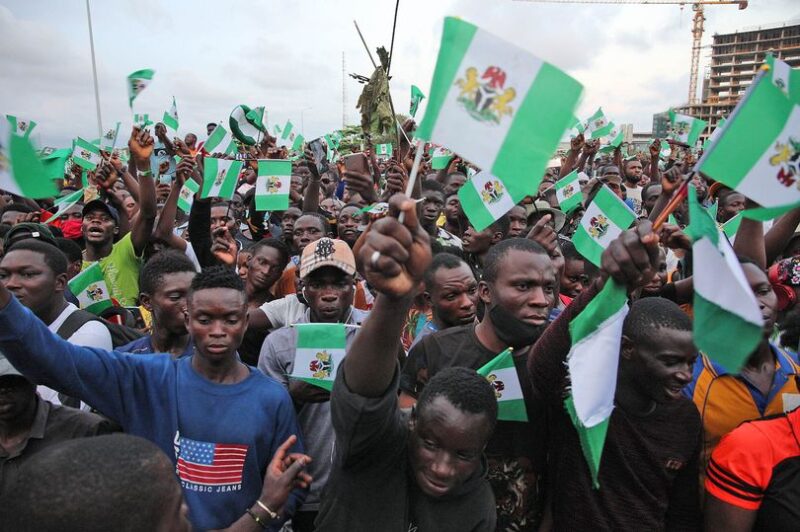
x=25 y=230
x=327 y=252
x=6 y=368
x=103 y=206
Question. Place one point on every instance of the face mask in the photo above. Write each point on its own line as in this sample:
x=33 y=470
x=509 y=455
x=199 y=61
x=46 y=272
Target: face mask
x=71 y=229
x=513 y=331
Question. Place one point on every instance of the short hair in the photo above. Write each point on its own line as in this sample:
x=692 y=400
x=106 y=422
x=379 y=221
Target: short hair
x=117 y=478
x=496 y=254
x=212 y=124
x=647 y=187
x=217 y=277
x=654 y=312
x=69 y=248
x=501 y=225
x=445 y=260
x=432 y=185
x=16 y=207
x=165 y=262
x=53 y=257
x=465 y=389
x=274 y=243
x=326 y=228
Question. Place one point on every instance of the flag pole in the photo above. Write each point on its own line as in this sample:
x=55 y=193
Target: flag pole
x=413 y=176
x=94 y=72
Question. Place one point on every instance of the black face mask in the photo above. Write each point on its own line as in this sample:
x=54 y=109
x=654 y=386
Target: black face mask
x=513 y=331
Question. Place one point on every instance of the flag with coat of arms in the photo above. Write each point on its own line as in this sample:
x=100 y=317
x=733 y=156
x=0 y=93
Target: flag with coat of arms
x=568 y=192
x=273 y=185
x=485 y=198
x=320 y=350
x=90 y=288
x=502 y=375
x=606 y=217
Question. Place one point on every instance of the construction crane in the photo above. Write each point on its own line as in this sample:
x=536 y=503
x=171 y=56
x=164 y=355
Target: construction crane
x=697 y=25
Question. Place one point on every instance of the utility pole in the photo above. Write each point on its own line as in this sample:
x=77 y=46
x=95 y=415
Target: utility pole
x=344 y=94
x=94 y=72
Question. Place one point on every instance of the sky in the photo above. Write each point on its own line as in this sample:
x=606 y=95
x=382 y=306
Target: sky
x=286 y=55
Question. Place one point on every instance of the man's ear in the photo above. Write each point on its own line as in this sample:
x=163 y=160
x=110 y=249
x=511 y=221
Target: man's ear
x=497 y=236
x=412 y=419
x=627 y=349
x=146 y=301
x=61 y=282
x=484 y=293
x=427 y=296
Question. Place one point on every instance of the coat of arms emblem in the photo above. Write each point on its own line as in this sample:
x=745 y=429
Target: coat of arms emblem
x=95 y=292
x=321 y=366
x=787 y=159
x=492 y=192
x=485 y=97
x=220 y=177
x=598 y=226
x=274 y=184
x=497 y=384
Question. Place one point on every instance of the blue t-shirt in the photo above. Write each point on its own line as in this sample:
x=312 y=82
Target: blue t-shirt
x=144 y=346
x=220 y=436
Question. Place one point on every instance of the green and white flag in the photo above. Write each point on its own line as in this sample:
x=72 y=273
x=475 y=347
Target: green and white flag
x=273 y=184
x=333 y=139
x=21 y=171
x=597 y=125
x=383 y=151
x=605 y=218
x=485 y=198
x=258 y=117
x=299 y=142
x=90 y=288
x=109 y=139
x=612 y=141
x=578 y=126
x=568 y=192
x=170 y=118
x=220 y=141
x=685 y=128
x=21 y=127
x=320 y=350
x=502 y=375
x=85 y=154
x=497 y=105
x=728 y=325
x=142 y=120
x=64 y=203
x=220 y=177
x=376 y=208
x=440 y=158
x=757 y=152
x=714 y=134
x=416 y=97
x=784 y=77
x=55 y=162
x=137 y=82
x=732 y=226
x=286 y=133
x=186 y=195
x=666 y=149
x=592 y=362
x=242 y=127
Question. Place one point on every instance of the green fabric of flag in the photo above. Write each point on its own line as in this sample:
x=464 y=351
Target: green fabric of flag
x=64 y=203
x=497 y=105
x=257 y=116
x=605 y=218
x=757 y=151
x=416 y=98
x=502 y=375
x=220 y=141
x=597 y=125
x=299 y=142
x=86 y=155
x=568 y=192
x=383 y=150
x=55 y=162
x=220 y=177
x=137 y=82
x=142 y=120
x=286 y=132
x=242 y=128
x=170 y=118
x=90 y=288
x=109 y=139
x=21 y=171
x=440 y=158
x=685 y=128
x=376 y=208
x=186 y=195
x=273 y=185
x=485 y=198
x=593 y=360
x=732 y=226
x=728 y=325
x=320 y=350
x=21 y=127
x=612 y=141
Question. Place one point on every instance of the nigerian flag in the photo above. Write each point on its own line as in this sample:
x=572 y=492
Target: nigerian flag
x=258 y=117
x=757 y=150
x=186 y=195
x=416 y=97
x=605 y=218
x=64 y=203
x=784 y=77
x=598 y=126
x=85 y=154
x=568 y=192
x=55 y=162
x=21 y=171
x=440 y=158
x=596 y=335
x=220 y=140
x=502 y=375
x=666 y=149
x=286 y=132
x=109 y=139
x=246 y=124
x=170 y=118
x=612 y=141
x=21 y=127
x=497 y=105
x=137 y=82
x=384 y=151
x=485 y=198
x=732 y=226
x=727 y=324
x=685 y=128
x=142 y=120
x=220 y=177
x=90 y=288
x=320 y=350
x=298 y=143
x=377 y=209
x=272 y=185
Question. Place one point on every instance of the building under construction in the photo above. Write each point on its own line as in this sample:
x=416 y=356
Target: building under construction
x=735 y=59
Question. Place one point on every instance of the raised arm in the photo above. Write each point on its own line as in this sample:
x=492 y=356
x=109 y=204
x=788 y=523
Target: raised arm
x=575 y=147
x=141 y=148
x=164 y=227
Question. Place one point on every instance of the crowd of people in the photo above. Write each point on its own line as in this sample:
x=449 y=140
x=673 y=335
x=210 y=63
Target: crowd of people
x=175 y=409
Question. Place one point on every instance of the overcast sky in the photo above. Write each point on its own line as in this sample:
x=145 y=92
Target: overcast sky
x=287 y=55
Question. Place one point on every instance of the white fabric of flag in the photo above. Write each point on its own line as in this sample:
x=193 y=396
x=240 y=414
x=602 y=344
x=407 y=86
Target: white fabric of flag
x=321 y=347
x=273 y=185
x=137 y=82
x=485 y=198
x=109 y=139
x=186 y=195
x=597 y=125
x=220 y=141
x=220 y=177
x=91 y=289
x=605 y=219
x=85 y=154
x=171 y=117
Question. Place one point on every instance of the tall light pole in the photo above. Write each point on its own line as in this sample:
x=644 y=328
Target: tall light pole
x=94 y=72
x=302 y=122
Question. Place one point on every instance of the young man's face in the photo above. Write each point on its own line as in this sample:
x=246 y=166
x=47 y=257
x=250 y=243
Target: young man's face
x=732 y=205
x=478 y=242
x=329 y=293
x=307 y=229
x=217 y=320
x=452 y=209
x=518 y=222
x=210 y=128
x=98 y=227
x=633 y=172
x=661 y=367
x=446 y=445
x=288 y=219
x=16 y=395
x=168 y=302
x=649 y=201
x=222 y=216
x=765 y=295
x=264 y=268
x=454 y=295
x=526 y=288
x=347 y=225
x=455 y=182
x=574 y=279
x=26 y=275
x=431 y=207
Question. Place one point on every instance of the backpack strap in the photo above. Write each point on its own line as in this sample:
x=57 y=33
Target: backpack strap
x=75 y=321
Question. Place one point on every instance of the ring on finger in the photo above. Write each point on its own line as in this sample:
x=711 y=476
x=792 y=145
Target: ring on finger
x=373 y=260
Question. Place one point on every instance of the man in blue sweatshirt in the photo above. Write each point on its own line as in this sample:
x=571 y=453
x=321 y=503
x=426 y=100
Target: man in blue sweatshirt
x=219 y=420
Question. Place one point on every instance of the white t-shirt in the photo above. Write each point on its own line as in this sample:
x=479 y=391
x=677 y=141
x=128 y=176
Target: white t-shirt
x=284 y=311
x=91 y=334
